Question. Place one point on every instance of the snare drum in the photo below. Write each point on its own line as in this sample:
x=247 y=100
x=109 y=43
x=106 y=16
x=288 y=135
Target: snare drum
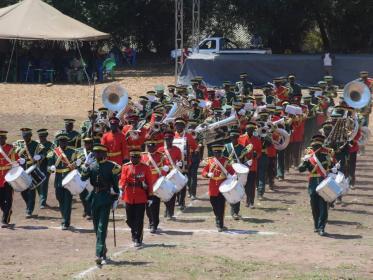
x=74 y=183
x=232 y=190
x=241 y=171
x=178 y=179
x=18 y=179
x=38 y=176
x=329 y=189
x=164 y=189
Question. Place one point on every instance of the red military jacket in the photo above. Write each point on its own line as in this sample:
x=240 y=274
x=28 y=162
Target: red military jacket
x=218 y=174
x=282 y=94
x=132 y=180
x=116 y=145
x=245 y=140
x=175 y=154
x=157 y=157
x=134 y=144
x=5 y=166
x=298 y=131
x=355 y=143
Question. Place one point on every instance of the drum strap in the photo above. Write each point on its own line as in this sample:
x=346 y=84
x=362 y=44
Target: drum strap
x=154 y=163
x=222 y=168
x=233 y=152
x=28 y=152
x=170 y=158
x=319 y=165
x=61 y=157
x=2 y=152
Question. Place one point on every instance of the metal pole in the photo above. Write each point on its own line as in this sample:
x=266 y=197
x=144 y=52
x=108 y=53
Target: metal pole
x=179 y=36
x=85 y=70
x=10 y=61
x=196 y=8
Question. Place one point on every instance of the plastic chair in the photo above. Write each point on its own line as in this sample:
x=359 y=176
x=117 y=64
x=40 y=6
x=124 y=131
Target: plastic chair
x=108 y=65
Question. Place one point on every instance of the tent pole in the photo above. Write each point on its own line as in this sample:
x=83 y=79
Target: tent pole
x=85 y=70
x=10 y=61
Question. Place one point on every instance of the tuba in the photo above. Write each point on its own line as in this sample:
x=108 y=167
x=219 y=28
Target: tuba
x=356 y=94
x=180 y=108
x=115 y=98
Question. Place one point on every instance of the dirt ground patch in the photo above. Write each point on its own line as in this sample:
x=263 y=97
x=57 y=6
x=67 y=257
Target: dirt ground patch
x=273 y=241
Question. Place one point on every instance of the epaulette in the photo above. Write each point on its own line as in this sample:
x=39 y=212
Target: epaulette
x=128 y=163
x=116 y=169
x=50 y=154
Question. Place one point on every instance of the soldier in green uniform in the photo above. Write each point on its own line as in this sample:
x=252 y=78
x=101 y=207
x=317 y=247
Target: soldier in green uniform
x=317 y=174
x=310 y=125
x=74 y=140
x=235 y=153
x=61 y=161
x=85 y=154
x=230 y=95
x=86 y=128
x=196 y=113
x=43 y=165
x=104 y=177
x=30 y=153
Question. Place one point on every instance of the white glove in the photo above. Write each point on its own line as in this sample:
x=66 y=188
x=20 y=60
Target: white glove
x=78 y=162
x=335 y=170
x=21 y=161
x=210 y=175
x=115 y=204
x=89 y=159
x=179 y=164
x=37 y=157
x=120 y=193
x=338 y=165
x=52 y=168
x=150 y=202
x=249 y=162
x=241 y=112
x=165 y=168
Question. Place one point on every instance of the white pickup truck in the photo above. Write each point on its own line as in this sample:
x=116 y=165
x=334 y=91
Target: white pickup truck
x=220 y=45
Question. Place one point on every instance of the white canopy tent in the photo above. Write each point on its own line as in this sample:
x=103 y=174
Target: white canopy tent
x=36 y=20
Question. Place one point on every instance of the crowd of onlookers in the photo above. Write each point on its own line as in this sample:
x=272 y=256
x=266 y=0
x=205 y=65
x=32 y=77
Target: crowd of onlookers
x=44 y=65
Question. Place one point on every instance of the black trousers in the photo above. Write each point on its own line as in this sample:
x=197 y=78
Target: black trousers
x=86 y=204
x=192 y=175
x=272 y=170
x=352 y=167
x=152 y=211
x=170 y=207
x=319 y=211
x=6 y=201
x=250 y=187
x=29 y=198
x=135 y=220
x=180 y=196
x=218 y=206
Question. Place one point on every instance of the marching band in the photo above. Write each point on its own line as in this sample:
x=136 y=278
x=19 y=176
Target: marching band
x=149 y=151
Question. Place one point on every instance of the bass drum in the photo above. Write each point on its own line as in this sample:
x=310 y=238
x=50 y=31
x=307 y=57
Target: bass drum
x=18 y=179
x=74 y=183
x=241 y=171
x=164 y=189
x=329 y=190
x=232 y=190
x=38 y=176
x=178 y=179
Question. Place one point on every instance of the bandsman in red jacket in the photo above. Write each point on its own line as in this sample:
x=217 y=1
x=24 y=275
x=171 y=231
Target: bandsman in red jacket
x=245 y=140
x=217 y=176
x=135 y=181
x=115 y=142
x=172 y=158
x=7 y=157
x=153 y=159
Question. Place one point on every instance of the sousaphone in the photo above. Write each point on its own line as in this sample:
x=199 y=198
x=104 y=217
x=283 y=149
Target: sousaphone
x=115 y=98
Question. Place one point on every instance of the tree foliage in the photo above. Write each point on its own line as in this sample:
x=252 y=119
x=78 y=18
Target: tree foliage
x=340 y=25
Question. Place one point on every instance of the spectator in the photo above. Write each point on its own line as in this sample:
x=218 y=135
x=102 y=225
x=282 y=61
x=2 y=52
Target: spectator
x=328 y=60
x=75 y=70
